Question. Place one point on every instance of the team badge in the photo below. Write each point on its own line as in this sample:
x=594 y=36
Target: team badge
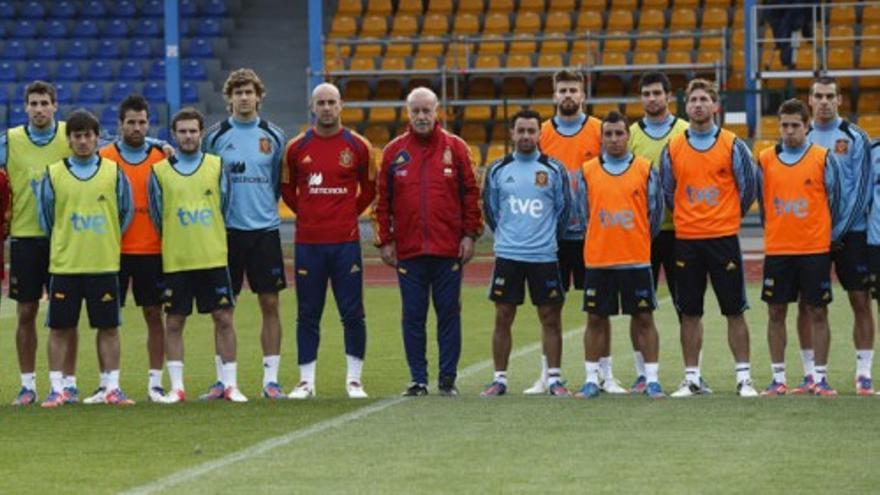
x=841 y=146
x=447 y=156
x=499 y=281
x=346 y=158
x=302 y=271
x=60 y=296
x=265 y=146
x=447 y=171
x=541 y=179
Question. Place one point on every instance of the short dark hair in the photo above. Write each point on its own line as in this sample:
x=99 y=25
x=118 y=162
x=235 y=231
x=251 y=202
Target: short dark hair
x=40 y=88
x=655 y=77
x=525 y=114
x=133 y=103
x=825 y=80
x=795 y=107
x=614 y=117
x=81 y=120
x=566 y=75
x=187 y=113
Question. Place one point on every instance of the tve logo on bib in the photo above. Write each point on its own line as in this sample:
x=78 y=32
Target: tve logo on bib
x=620 y=218
x=708 y=195
x=532 y=207
x=198 y=216
x=83 y=223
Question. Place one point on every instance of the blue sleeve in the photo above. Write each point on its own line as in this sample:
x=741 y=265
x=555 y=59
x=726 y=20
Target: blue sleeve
x=490 y=199
x=861 y=158
x=46 y=205
x=656 y=210
x=667 y=179
x=278 y=163
x=154 y=197
x=209 y=137
x=744 y=172
x=124 y=200
x=3 y=149
x=836 y=203
x=759 y=191
x=563 y=202
x=225 y=192
x=579 y=203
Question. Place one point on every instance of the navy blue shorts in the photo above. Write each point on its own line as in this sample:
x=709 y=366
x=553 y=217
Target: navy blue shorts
x=510 y=277
x=607 y=291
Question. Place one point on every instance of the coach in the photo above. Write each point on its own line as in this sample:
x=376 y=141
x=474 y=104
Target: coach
x=426 y=220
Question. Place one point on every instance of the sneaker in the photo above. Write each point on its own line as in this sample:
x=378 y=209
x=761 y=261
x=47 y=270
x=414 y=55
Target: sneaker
x=774 y=389
x=446 y=387
x=156 y=394
x=806 y=386
x=495 y=389
x=558 y=389
x=303 y=390
x=355 y=390
x=612 y=387
x=233 y=394
x=215 y=392
x=55 y=399
x=25 y=397
x=273 y=391
x=71 y=395
x=822 y=389
x=589 y=391
x=745 y=389
x=689 y=389
x=415 y=390
x=174 y=396
x=97 y=396
x=538 y=388
x=654 y=391
x=117 y=397
x=864 y=386
x=639 y=386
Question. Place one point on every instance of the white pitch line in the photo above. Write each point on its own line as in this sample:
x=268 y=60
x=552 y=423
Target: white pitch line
x=260 y=448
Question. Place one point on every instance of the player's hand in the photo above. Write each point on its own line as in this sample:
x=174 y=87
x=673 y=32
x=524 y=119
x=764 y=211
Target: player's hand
x=466 y=250
x=168 y=150
x=389 y=254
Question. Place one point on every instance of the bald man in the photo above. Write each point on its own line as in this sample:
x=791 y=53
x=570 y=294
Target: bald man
x=328 y=180
x=435 y=216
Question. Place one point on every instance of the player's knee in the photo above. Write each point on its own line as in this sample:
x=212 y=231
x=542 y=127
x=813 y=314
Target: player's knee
x=776 y=312
x=860 y=302
x=27 y=312
x=595 y=322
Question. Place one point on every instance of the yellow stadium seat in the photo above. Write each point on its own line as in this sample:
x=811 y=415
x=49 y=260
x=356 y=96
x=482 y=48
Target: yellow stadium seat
x=870 y=123
x=343 y=27
x=770 y=59
x=491 y=45
x=872 y=30
x=630 y=5
x=500 y=131
x=738 y=39
x=352 y=116
x=553 y=44
x=522 y=45
x=645 y=58
x=477 y=113
x=356 y=90
x=542 y=86
x=609 y=86
x=709 y=57
x=652 y=19
x=654 y=43
x=617 y=45
x=536 y=6
x=769 y=126
x=368 y=49
x=466 y=23
x=841 y=15
x=349 y=8
x=409 y=7
x=675 y=57
x=870 y=15
x=687 y=4
x=869 y=102
x=430 y=46
x=741 y=130
x=589 y=20
x=383 y=115
x=683 y=19
x=425 y=63
x=527 y=23
x=620 y=20
x=333 y=50
x=518 y=61
x=497 y=23
x=602 y=109
x=714 y=18
x=739 y=19
x=581 y=59
x=362 y=63
x=487 y=62
x=558 y=22
x=389 y=89
x=374 y=25
x=597 y=5
x=404 y=25
x=435 y=25
x=333 y=64
x=681 y=43
x=503 y=6
x=804 y=58
x=495 y=152
x=471 y=6
x=514 y=87
x=841 y=37
x=869 y=59
x=736 y=81
x=633 y=111
x=392 y=63
x=545 y=110
x=712 y=43
x=378 y=7
x=560 y=5
x=550 y=60
x=655 y=4
x=761 y=145
x=401 y=47
x=476 y=154
x=840 y=58
x=440 y=6
x=717 y=3
x=378 y=135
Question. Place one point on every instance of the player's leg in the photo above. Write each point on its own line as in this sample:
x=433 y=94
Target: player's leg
x=445 y=280
x=26 y=288
x=65 y=300
x=814 y=277
x=237 y=248
x=690 y=287
x=601 y=299
x=214 y=294
x=147 y=287
x=544 y=290
x=179 y=299
x=638 y=299
x=779 y=289
x=413 y=280
x=347 y=282
x=852 y=271
x=507 y=291
x=310 y=264
x=265 y=272
x=102 y=305
x=805 y=342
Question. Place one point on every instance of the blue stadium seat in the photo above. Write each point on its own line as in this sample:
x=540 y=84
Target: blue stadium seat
x=32 y=10
x=99 y=70
x=157 y=71
x=123 y=8
x=64 y=94
x=36 y=70
x=146 y=28
x=19 y=92
x=154 y=92
x=189 y=92
x=131 y=70
x=215 y=8
x=109 y=117
x=76 y=50
x=152 y=8
x=208 y=27
x=94 y=9
x=68 y=70
x=8 y=72
x=188 y=8
x=199 y=48
x=2 y=30
x=7 y=10
x=14 y=50
x=17 y=116
x=4 y=99
x=119 y=90
x=55 y=29
x=85 y=28
x=107 y=49
x=194 y=70
x=185 y=29
x=116 y=28
x=45 y=50
x=63 y=10
x=163 y=134
x=90 y=93
x=140 y=49
x=23 y=29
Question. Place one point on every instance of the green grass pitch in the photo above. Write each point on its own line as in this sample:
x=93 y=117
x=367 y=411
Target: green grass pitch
x=718 y=444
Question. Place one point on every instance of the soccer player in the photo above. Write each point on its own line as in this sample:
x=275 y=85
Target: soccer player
x=648 y=136
x=526 y=202
x=572 y=137
x=251 y=150
x=84 y=206
x=851 y=147
x=188 y=199
x=623 y=207
x=329 y=179
x=427 y=218
x=708 y=179
x=874 y=222
x=802 y=211
x=141 y=261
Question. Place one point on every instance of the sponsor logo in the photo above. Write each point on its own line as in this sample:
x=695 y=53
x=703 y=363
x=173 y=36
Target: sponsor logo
x=224 y=300
x=400 y=173
x=498 y=292
x=402 y=158
x=316 y=179
x=510 y=180
x=696 y=195
x=554 y=293
x=86 y=223
x=620 y=218
x=731 y=266
x=525 y=206
x=643 y=303
x=797 y=207
x=102 y=198
x=237 y=167
x=542 y=179
x=346 y=158
x=199 y=217
x=265 y=146
x=591 y=292
x=107 y=297
x=209 y=192
x=354 y=268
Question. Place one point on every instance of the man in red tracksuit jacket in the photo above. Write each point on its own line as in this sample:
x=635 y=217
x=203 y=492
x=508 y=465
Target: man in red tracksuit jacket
x=427 y=217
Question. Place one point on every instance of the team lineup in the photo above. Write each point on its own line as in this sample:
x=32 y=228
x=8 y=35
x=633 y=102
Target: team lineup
x=601 y=206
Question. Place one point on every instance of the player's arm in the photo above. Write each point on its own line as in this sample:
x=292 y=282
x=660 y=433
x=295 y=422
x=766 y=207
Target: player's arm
x=744 y=173
x=579 y=213
x=278 y=162
x=4 y=147
x=472 y=217
x=225 y=192
x=656 y=209
x=46 y=204
x=667 y=178
x=5 y=203
x=154 y=201
x=124 y=200
x=490 y=198
x=288 y=176
x=382 y=209
x=367 y=178
x=759 y=192
x=562 y=201
x=861 y=161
